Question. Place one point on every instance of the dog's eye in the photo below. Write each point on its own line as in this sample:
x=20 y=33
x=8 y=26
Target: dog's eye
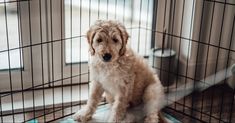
x=115 y=40
x=99 y=40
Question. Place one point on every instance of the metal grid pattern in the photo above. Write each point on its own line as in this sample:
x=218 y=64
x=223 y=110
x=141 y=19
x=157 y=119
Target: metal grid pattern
x=200 y=89
x=44 y=54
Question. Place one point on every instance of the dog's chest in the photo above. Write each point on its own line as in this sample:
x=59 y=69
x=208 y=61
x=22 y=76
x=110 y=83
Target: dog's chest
x=111 y=79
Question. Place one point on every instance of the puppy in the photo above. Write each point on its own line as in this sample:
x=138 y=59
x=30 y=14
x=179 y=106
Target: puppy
x=124 y=77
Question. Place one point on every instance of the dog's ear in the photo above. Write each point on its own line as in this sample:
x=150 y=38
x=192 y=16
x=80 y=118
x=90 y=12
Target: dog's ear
x=90 y=35
x=124 y=36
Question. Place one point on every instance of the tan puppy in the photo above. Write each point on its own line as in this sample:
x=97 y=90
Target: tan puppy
x=125 y=77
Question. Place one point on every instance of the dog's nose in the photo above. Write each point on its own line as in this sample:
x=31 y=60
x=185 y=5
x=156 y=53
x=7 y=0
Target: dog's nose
x=107 y=57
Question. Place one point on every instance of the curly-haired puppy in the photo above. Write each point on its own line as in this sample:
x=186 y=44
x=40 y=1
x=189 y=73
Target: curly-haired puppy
x=124 y=77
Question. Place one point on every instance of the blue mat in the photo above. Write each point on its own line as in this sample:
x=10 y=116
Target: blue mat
x=102 y=113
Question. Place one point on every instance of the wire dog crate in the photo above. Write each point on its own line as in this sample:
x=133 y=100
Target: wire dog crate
x=44 y=75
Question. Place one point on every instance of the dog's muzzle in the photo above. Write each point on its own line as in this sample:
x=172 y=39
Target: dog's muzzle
x=107 y=57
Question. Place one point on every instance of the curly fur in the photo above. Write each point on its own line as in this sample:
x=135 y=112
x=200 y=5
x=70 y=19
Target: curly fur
x=126 y=80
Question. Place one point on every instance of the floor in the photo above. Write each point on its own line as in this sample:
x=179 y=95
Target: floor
x=209 y=106
x=43 y=103
x=201 y=111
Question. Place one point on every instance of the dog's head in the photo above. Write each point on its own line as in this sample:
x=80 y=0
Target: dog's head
x=107 y=40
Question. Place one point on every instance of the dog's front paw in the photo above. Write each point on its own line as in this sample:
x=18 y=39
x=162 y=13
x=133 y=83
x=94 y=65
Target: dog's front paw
x=151 y=118
x=114 y=119
x=81 y=116
x=129 y=118
x=117 y=119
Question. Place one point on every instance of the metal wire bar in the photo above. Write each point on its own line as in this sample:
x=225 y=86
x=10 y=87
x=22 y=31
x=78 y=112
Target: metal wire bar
x=187 y=59
x=21 y=57
x=31 y=56
x=139 y=23
x=80 y=53
x=9 y=59
x=62 y=52
x=217 y=57
x=171 y=44
x=207 y=53
x=179 y=50
x=71 y=56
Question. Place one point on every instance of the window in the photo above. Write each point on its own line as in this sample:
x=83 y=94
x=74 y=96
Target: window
x=79 y=15
x=9 y=38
